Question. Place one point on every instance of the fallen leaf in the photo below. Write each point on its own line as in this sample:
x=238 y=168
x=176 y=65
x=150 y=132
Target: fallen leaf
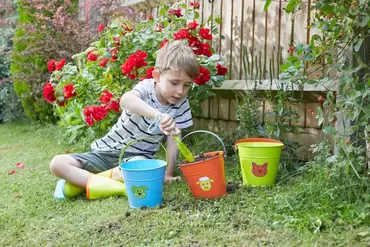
x=20 y=165
x=68 y=151
x=11 y=172
x=18 y=196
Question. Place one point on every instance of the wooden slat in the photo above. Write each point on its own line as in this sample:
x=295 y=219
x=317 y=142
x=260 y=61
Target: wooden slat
x=216 y=12
x=272 y=34
x=247 y=39
x=207 y=11
x=213 y=108
x=311 y=121
x=268 y=109
x=226 y=32
x=205 y=108
x=233 y=110
x=259 y=39
x=301 y=110
x=300 y=24
x=223 y=109
x=236 y=39
x=286 y=32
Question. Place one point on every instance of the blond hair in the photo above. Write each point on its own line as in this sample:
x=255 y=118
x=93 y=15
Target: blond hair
x=177 y=55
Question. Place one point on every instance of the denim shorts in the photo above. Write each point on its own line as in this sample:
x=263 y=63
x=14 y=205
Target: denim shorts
x=99 y=161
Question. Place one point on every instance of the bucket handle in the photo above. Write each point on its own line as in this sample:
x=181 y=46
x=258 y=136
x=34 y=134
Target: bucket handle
x=207 y=132
x=135 y=141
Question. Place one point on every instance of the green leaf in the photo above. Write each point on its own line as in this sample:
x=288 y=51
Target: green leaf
x=330 y=130
x=320 y=115
x=308 y=57
x=162 y=12
x=215 y=57
x=292 y=58
x=218 y=19
x=311 y=81
x=284 y=67
x=358 y=45
x=102 y=42
x=291 y=6
x=107 y=55
x=267 y=4
x=363 y=19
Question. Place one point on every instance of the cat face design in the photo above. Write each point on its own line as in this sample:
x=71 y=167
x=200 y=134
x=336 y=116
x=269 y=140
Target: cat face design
x=139 y=192
x=259 y=170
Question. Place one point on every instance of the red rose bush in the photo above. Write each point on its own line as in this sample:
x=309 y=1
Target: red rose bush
x=86 y=91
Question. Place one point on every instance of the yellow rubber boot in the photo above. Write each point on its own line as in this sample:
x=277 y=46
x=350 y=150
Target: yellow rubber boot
x=100 y=187
x=71 y=190
x=107 y=173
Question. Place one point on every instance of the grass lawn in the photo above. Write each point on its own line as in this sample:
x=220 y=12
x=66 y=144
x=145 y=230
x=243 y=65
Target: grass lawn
x=29 y=216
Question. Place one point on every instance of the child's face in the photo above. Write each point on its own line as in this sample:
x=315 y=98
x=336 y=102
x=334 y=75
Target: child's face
x=171 y=86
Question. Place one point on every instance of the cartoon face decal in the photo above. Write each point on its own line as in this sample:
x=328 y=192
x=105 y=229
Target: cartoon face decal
x=205 y=183
x=259 y=170
x=139 y=192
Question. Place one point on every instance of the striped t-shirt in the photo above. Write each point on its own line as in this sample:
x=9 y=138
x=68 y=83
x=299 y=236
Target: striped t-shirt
x=131 y=126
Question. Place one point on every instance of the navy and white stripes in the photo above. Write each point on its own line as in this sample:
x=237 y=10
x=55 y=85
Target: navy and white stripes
x=131 y=126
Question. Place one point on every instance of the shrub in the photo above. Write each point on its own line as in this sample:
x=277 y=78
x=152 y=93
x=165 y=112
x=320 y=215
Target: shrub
x=45 y=29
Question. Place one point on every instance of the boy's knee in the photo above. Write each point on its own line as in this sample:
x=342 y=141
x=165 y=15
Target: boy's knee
x=57 y=162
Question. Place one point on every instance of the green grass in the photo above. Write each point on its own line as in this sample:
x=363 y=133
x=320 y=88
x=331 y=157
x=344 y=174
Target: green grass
x=248 y=217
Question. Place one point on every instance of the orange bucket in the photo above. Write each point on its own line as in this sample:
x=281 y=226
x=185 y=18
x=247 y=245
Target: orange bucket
x=206 y=178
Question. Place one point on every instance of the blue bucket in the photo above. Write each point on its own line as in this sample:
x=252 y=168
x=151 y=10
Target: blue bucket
x=144 y=181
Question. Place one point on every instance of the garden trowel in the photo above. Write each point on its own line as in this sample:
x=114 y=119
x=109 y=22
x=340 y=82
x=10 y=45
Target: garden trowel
x=183 y=148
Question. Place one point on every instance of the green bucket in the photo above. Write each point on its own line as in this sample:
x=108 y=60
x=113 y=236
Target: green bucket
x=259 y=160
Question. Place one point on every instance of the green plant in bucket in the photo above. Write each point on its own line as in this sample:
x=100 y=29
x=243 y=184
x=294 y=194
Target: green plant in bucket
x=183 y=149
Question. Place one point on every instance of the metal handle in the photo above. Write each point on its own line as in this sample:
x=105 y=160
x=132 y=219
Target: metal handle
x=140 y=139
x=207 y=132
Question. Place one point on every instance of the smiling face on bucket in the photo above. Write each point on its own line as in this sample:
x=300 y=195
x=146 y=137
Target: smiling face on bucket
x=171 y=85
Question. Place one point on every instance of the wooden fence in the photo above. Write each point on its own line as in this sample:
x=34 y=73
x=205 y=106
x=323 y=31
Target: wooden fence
x=254 y=44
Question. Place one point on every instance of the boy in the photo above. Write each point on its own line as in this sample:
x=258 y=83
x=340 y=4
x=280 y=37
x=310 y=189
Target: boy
x=162 y=100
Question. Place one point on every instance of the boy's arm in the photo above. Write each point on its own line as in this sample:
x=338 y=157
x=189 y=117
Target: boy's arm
x=172 y=155
x=133 y=103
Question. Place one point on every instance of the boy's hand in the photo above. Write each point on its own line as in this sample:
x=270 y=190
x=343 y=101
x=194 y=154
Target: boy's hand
x=167 y=124
x=169 y=179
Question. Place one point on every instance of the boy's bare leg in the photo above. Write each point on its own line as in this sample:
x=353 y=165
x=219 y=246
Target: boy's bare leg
x=68 y=168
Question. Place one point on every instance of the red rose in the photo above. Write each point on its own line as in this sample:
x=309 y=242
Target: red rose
x=150 y=17
x=103 y=62
x=133 y=63
x=93 y=113
x=51 y=65
x=59 y=65
x=165 y=41
x=195 y=5
x=92 y=56
x=105 y=97
x=205 y=33
x=203 y=49
x=101 y=28
x=182 y=34
x=99 y=113
x=69 y=91
x=49 y=92
x=221 y=70
x=113 y=105
x=192 y=25
x=89 y=120
x=176 y=12
x=203 y=77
